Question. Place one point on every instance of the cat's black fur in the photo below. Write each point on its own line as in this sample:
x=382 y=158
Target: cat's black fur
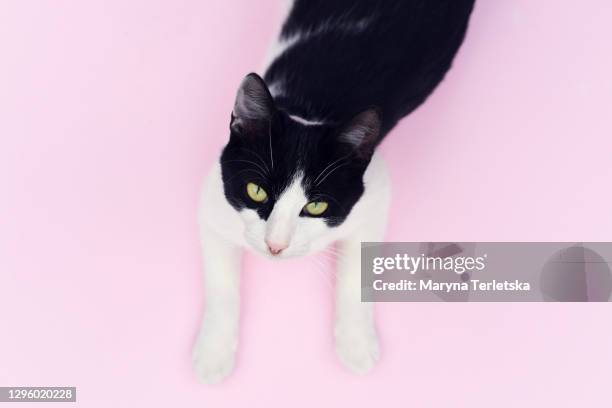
x=394 y=61
x=383 y=58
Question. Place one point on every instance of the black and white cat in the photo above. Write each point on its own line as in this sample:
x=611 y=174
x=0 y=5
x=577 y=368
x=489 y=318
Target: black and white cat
x=299 y=172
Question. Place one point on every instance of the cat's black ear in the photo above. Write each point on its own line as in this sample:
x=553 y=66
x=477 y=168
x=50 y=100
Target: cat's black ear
x=361 y=133
x=253 y=106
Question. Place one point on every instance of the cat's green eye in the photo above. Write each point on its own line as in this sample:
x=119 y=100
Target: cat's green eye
x=256 y=193
x=315 y=207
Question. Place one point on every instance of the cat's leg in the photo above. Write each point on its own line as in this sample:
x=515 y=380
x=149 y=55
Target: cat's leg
x=214 y=351
x=355 y=333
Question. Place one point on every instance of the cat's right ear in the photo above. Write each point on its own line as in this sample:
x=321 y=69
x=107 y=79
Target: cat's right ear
x=254 y=106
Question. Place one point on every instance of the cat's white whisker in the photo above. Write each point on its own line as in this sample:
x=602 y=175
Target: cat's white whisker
x=270 y=142
x=258 y=157
x=320 y=268
x=330 y=172
x=336 y=252
x=331 y=270
x=328 y=166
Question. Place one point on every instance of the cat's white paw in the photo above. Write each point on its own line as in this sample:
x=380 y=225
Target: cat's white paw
x=357 y=348
x=213 y=357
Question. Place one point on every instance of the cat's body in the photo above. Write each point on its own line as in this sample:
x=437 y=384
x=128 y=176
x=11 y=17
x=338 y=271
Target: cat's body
x=299 y=171
x=337 y=58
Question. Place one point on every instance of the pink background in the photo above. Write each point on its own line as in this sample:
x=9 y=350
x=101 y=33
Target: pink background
x=111 y=114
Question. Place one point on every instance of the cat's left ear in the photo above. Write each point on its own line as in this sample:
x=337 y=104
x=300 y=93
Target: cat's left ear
x=253 y=106
x=361 y=133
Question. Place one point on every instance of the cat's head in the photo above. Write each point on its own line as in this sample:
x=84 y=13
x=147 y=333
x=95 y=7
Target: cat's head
x=293 y=183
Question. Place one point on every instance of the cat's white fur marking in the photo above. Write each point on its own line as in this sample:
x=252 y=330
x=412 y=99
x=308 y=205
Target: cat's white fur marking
x=341 y=23
x=282 y=222
x=307 y=122
x=225 y=231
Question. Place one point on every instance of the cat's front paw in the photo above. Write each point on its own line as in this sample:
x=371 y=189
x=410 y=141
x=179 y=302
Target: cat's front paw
x=357 y=347
x=213 y=357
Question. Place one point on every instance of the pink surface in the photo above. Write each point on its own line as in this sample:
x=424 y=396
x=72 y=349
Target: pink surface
x=112 y=112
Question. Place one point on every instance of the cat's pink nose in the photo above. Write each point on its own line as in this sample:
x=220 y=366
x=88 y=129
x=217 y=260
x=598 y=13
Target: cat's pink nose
x=275 y=248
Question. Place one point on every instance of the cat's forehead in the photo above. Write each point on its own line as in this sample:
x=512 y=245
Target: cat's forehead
x=292 y=148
